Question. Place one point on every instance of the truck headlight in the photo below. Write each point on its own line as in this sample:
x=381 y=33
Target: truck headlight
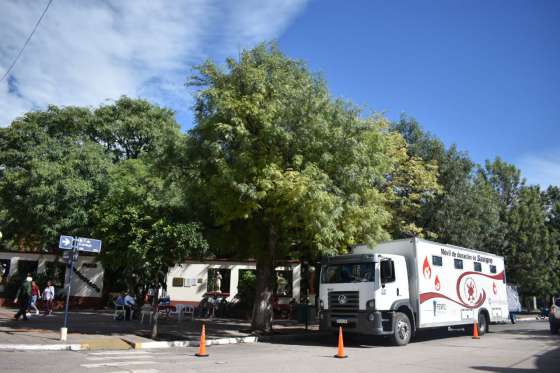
x=321 y=304
x=370 y=304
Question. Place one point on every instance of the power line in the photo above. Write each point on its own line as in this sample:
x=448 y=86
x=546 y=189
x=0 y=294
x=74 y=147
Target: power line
x=26 y=42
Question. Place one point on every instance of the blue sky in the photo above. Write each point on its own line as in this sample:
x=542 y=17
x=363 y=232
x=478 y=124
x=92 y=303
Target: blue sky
x=481 y=74
x=484 y=75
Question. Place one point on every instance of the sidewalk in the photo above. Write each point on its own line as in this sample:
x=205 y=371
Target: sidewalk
x=98 y=330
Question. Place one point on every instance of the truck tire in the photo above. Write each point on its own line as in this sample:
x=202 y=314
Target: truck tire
x=402 y=330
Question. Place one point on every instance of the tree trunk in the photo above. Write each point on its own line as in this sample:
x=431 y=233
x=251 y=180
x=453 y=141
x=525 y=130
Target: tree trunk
x=262 y=308
x=155 y=313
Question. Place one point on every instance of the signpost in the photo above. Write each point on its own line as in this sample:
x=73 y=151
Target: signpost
x=89 y=245
x=75 y=244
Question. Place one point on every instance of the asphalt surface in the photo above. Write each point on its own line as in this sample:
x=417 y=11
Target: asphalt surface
x=521 y=348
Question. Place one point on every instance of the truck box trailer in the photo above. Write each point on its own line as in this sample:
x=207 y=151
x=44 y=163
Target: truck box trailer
x=402 y=286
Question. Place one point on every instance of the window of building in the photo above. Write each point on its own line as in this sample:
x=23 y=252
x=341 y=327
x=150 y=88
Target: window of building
x=4 y=270
x=178 y=282
x=55 y=272
x=437 y=260
x=283 y=283
x=27 y=266
x=246 y=284
x=458 y=263
x=477 y=266
x=218 y=280
x=492 y=269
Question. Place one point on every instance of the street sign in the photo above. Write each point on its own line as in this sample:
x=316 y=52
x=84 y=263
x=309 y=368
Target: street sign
x=88 y=244
x=65 y=242
x=75 y=244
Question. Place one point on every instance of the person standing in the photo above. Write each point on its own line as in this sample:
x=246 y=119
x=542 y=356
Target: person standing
x=48 y=297
x=23 y=296
x=35 y=295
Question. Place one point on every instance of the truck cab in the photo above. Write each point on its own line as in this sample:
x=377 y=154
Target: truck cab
x=366 y=294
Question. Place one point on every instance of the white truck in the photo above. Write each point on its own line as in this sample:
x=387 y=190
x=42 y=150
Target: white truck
x=402 y=286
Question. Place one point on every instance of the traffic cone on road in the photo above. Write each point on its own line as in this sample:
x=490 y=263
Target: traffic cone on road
x=202 y=348
x=475 y=330
x=340 y=354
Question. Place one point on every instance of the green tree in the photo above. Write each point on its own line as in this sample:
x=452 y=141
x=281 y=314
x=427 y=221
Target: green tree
x=51 y=176
x=133 y=128
x=465 y=212
x=282 y=166
x=142 y=228
x=411 y=184
x=532 y=256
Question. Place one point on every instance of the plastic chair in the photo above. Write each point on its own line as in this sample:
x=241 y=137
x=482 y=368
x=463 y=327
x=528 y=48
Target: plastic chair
x=188 y=310
x=146 y=311
x=119 y=313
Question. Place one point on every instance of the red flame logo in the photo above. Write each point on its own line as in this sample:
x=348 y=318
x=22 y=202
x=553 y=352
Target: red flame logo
x=426 y=269
x=495 y=289
x=437 y=283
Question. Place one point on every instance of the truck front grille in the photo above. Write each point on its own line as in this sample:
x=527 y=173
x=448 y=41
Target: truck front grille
x=344 y=301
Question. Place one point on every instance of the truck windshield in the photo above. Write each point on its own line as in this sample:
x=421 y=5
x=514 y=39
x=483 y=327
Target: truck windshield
x=351 y=272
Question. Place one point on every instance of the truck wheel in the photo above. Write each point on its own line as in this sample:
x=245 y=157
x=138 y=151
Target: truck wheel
x=403 y=330
x=482 y=324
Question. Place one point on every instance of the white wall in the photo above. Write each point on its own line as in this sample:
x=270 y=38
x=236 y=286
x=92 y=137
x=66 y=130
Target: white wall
x=199 y=271
x=79 y=287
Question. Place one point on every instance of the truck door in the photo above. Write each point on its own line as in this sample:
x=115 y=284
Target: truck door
x=394 y=283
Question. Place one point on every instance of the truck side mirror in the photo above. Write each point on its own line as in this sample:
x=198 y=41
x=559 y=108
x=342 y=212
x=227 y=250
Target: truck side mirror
x=387 y=271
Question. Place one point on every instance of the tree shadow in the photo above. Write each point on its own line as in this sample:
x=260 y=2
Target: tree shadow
x=549 y=362
x=317 y=338
x=102 y=323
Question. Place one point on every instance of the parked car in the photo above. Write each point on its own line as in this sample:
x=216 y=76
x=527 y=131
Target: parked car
x=554 y=316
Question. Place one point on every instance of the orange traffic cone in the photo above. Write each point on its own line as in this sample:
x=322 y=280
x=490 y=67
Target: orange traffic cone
x=340 y=354
x=202 y=348
x=475 y=330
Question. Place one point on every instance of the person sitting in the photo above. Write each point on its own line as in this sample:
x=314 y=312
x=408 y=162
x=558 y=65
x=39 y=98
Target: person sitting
x=129 y=304
x=120 y=299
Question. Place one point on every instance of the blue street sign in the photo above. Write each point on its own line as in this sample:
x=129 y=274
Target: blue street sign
x=65 y=242
x=88 y=244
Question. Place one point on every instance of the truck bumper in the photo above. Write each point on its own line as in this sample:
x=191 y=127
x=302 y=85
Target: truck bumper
x=364 y=322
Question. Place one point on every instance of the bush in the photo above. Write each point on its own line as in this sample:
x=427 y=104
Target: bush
x=246 y=290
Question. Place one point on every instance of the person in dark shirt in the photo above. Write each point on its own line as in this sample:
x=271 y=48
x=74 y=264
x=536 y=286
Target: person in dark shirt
x=23 y=296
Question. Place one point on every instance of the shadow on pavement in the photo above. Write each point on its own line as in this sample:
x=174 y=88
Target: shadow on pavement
x=102 y=323
x=315 y=338
x=549 y=362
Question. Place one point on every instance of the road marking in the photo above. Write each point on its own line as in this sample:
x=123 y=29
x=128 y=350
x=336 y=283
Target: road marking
x=101 y=358
x=121 y=353
x=136 y=371
x=117 y=364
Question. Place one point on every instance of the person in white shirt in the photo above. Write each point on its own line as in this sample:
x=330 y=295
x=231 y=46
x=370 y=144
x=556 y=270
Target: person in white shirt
x=48 y=296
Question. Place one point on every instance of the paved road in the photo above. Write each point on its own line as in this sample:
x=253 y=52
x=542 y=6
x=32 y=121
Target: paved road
x=522 y=348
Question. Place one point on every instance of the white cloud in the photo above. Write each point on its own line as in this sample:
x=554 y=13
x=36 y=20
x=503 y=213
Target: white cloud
x=542 y=168
x=85 y=52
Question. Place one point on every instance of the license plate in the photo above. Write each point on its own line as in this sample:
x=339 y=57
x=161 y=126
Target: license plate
x=341 y=321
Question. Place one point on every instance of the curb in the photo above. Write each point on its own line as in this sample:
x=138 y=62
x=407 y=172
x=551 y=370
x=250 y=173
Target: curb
x=133 y=344
x=37 y=347
x=209 y=342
